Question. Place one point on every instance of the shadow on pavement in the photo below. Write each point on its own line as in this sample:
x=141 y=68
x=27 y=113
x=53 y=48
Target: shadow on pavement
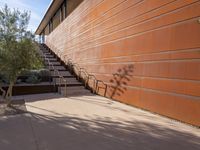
x=75 y=133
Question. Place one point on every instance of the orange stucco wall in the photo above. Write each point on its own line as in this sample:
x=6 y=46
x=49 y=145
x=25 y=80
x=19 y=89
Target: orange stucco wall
x=161 y=38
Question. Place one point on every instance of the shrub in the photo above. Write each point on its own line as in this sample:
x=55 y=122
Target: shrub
x=33 y=79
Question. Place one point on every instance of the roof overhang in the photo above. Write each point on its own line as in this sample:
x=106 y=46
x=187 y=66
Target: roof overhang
x=55 y=4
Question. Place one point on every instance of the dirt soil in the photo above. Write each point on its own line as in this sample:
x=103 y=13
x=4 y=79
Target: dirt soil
x=18 y=107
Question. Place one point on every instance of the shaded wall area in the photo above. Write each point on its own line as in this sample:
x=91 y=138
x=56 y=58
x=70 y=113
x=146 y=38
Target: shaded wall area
x=160 y=39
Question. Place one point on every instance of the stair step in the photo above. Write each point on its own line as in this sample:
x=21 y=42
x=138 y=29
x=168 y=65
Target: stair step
x=55 y=63
x=59 y=68
x=57 y=76
x=47 y=53
x=50 y=56
x=51 y=59
x=70 y=82
x=75 y=88
x=75 y=91
x=62 y=73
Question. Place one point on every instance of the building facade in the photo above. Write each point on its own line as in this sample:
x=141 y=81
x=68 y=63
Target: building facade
x=147 y=51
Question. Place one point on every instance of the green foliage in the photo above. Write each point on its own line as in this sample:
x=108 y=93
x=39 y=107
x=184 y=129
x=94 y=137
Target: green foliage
x=18 y=51
x=44 y=73
x=39 y=72
x=29 y=72
x=33 y=79
x=3 y=79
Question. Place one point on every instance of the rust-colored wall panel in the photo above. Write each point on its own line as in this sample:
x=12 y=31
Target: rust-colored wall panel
x=161 y=39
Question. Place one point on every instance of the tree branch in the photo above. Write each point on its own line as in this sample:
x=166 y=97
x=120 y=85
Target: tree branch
x=3 y=91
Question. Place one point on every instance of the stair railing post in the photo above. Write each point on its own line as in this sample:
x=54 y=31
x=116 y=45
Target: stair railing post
x=95 y=89
x=105 y=91
x=86 y=81
x=49 y=66
x=65 y=92
x=54 y=74
x=59 y=87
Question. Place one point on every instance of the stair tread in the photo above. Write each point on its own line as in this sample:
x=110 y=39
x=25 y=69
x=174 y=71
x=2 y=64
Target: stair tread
x=62 y=73
x=59 y=67
x=53 y=60
x=80 y=90
x=49 y=56
x=68 y=79
x=53 y=63
x=75 y=88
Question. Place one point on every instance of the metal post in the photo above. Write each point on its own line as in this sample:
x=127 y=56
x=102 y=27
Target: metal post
x=105 y=91
x=60 y=85
x=95 y=89
x=65 y=93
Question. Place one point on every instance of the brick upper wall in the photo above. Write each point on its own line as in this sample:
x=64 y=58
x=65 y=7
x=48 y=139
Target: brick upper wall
x=160 y=38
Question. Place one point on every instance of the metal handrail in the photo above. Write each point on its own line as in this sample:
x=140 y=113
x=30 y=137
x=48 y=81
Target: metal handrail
x=65 y=56
x=58 y=53
x=106 y=86
x=61 y=78
x=89 y=76
x=85 y=77
x=78 y=72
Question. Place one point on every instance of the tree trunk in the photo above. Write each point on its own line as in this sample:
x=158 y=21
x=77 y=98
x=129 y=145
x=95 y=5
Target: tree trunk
x=9 y=94
x=3 y=92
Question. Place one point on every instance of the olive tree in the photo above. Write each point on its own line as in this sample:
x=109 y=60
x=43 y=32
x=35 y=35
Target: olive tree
x=18 y=51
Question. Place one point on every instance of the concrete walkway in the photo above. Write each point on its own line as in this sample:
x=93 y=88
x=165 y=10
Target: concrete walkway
x=91 y=123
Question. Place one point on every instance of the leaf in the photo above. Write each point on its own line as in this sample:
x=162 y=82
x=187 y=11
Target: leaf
x=18 y=52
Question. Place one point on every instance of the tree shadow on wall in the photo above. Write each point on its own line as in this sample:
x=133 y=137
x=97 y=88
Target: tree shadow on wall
x=120 y=80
